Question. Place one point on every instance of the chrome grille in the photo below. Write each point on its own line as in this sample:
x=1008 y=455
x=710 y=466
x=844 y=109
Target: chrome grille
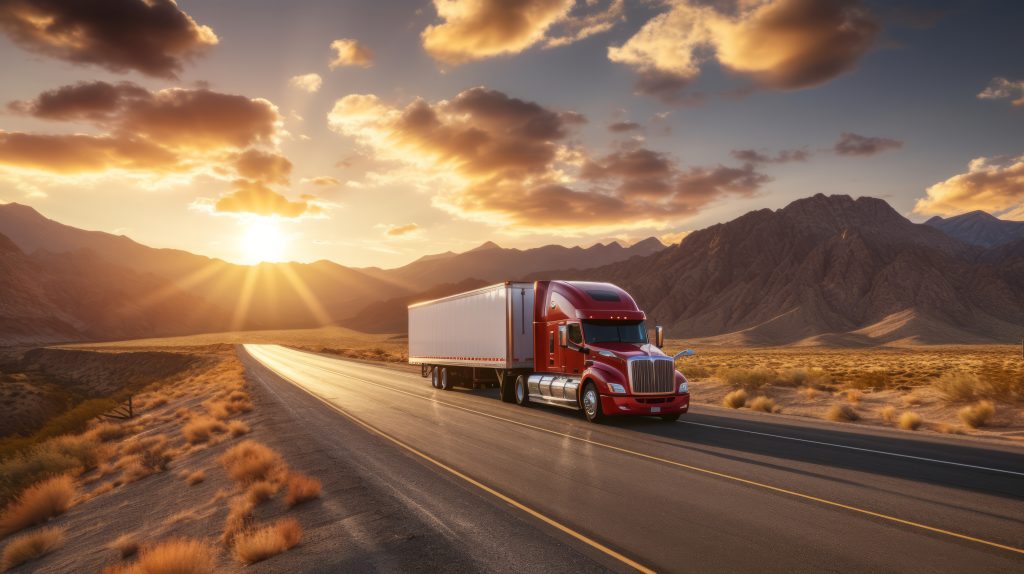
x=652 y=375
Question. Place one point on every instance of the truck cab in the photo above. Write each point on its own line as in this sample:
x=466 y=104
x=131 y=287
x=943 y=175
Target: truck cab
x=592 y=352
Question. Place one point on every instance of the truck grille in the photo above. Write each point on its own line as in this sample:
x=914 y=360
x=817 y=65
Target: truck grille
x=652 y=375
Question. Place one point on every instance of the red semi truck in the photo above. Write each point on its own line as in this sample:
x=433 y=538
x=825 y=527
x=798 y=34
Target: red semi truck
x=572 y=344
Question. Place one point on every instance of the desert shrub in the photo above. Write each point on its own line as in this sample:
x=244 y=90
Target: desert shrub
x=268 y=541
x=842 y=412
x=176 y=556
x=108 y=431
x=764 y=404
x=910 y=420
x=957 y=385
x=201 y=428
x=301 y=488
x=888 y=414
x=978 y=414
x=853 y=396
x=696 y=372
x=239 y=519
x=261 y=491
x=249 y=461
x=30 y=546
x=812 y=377
x=238 y=428
x=157 y=401
x=126 y=545
x=749 y=379
x=875 y=380
x=38 y=503
x=59 y=455
x=736 y=399
x=808 y=392
x=195 y=478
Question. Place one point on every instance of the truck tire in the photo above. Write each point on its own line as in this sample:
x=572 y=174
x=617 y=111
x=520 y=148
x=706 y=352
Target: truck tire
x=670 y=418
x=434 y=375
x=444 y=380
x=590 y=400
x=508 y=388
x=522 y=391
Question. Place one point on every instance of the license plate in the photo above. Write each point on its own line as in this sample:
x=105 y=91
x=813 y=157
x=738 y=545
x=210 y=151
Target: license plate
x=655 y=409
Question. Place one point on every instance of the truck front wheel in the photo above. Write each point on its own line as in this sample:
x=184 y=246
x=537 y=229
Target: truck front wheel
x=591 y=403
x=435 y=373
x=522 y=391
x=444 y=380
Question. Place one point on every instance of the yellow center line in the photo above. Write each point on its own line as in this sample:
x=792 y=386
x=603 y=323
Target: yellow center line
x=695 y=468
x=534 y=513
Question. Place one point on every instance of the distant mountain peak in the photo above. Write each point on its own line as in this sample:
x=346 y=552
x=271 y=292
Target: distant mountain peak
x=979 y=228
x=485 y=246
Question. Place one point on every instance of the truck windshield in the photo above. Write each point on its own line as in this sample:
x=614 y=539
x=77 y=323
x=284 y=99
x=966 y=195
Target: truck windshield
x=615 y=332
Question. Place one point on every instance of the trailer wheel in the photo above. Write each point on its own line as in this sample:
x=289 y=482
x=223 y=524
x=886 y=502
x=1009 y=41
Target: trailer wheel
x=508 y=388
x=522 y=391
x=444 y=380
x=591 y=403
x=434 y=375
x=670 y=418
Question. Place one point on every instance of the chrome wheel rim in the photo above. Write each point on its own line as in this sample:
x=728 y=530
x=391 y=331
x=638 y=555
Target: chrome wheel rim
x=520 y=391
x=590 y=402
x=444 y=379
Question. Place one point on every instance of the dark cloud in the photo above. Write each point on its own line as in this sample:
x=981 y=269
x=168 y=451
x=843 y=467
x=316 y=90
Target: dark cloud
x=91 y=101
x=268 y=167
x=855 y=144
x=621 y=127
x=255 y=198
x=154 y=37
x=784 y=156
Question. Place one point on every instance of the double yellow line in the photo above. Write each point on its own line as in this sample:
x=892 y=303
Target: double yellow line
x=670 y=462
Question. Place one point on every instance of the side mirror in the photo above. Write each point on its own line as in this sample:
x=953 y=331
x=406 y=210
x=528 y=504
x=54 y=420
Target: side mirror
x=659 y=337
x=686 y=353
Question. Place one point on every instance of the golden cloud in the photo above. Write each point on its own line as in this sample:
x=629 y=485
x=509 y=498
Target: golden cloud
x=255 y=198
x=501 y=159
x=153 y=37
x=990 y=185
x=407 y=231
x=307 y=82
x=477 y=29
x=349 y=52
x=1004 y=89
x=322 y=181
x=778 y=44
x=79 y=153
x=268 y=167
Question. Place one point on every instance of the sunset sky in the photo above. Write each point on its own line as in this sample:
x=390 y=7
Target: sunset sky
x=372 y=133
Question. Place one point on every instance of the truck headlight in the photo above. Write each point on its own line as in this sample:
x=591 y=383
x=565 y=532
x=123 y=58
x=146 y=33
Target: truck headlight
x=684 y=387
x=617 y=388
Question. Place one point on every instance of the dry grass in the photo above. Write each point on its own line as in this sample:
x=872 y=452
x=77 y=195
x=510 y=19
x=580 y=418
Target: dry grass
x=201 y=428
x=108 y=431
x=260 y=544
x=888 y=414
x=764 y=404
x=853 y=396
x=749 y=379
x=842 y=412
x=238 y=428
x=146 y=457
x=59 y=455
x=977 y=415
x=238 y=520
x=195 y=478
x=910 y=421
x=126 y=545
x=808 y=392
x=736 y=399
x=249 y=461
x=261 y=491
x=30 y=546
x=38 y=503
x=875 y=380
x=301 y=488
x=175 y=556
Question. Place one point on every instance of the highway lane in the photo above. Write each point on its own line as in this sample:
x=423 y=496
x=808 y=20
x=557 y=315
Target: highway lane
x=708 y=494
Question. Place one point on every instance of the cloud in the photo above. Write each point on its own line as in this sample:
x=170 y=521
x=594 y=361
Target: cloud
x=153 y=37
x=855 y=144
x=990 y=184
x=349 y=52
x=1004 y=89
x=407 y=231
x=621 y=127
x=250 y=197
x=511 y=162
x=322 y=181
x=307 y=82
x=478 y=29
x=79 y=153
x=264 y=166
x=784 y=156
x=777 y=44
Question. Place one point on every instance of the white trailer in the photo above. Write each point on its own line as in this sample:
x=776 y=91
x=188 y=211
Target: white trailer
x=466 y=336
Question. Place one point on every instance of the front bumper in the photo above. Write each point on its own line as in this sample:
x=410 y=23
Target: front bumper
x=612 y=405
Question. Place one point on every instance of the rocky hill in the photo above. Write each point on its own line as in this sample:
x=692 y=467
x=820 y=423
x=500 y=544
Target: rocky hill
x=979 y=228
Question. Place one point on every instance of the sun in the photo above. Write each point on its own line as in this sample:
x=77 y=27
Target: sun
x=264 y=242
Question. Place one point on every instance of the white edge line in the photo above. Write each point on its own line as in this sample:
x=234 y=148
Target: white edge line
x=873 y=451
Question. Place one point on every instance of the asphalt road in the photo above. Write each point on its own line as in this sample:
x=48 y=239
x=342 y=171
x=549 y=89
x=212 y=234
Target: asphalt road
x=718 y=491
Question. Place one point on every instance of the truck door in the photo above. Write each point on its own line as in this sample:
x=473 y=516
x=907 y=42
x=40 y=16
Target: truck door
x=554 y=351
x=572 y=357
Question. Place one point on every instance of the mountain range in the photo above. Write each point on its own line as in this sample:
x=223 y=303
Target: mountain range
x=979 y=228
